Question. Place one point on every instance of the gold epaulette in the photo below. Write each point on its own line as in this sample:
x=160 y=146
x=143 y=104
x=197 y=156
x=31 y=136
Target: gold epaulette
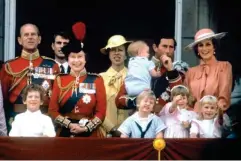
x=60 y=85
x=45 y=57
x=63 y=90
x=8 y=70
x=15 y=75
x=96 y=74
x=11 y=59
x=61 y=74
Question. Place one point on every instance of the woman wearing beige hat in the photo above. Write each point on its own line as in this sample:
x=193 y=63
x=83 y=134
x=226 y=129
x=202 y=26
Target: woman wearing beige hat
x=210 y=77
x=113 y=79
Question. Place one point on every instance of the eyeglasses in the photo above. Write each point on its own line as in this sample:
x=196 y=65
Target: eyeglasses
x=60 y=42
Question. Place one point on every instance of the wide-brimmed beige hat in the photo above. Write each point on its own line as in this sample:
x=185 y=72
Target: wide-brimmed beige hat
x=204 y=34
x=114 y=41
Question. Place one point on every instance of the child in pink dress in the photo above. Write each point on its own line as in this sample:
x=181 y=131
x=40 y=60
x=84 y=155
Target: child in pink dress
x=176 y=114
x=210 y=121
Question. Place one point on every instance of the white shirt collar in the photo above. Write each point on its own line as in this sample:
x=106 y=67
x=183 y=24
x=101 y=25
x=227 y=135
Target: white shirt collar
x=65 y=65
x=38 y=112
x=137 y=117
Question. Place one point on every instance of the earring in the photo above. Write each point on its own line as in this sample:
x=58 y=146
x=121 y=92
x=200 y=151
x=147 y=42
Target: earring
x=214 y=53
x=198 y=54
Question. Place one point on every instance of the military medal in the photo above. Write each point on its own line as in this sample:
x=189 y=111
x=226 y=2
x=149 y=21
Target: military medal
x=50 y=71
x=165 y=96
x=74 y=89
x=86 y=99
x=81 y=88
x=45 y=84
x=30 y=70
x=36 y=72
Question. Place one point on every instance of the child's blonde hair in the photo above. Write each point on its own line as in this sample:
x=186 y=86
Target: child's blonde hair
x=144 y=94
x=135 y=46
x=208 y=99
x=183 y=91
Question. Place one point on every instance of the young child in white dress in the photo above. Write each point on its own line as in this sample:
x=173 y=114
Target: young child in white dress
x=143 y=123
x=210 y=120
x=33 y=123
x=177 y=115
x=140 y=69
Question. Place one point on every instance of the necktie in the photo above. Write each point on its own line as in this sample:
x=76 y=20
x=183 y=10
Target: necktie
x=62 y=69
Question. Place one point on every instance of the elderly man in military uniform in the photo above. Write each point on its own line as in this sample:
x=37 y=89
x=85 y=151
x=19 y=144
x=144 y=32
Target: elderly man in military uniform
x=29 y=68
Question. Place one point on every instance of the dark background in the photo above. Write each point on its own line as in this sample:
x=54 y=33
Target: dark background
x=132 y=18
x=228 y=16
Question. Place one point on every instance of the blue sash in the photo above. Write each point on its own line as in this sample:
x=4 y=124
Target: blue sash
x=72 y=101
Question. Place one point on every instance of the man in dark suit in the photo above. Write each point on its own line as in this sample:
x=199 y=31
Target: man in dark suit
x=60 y=39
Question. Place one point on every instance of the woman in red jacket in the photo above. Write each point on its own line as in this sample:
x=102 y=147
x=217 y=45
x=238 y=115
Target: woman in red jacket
x=78 y=102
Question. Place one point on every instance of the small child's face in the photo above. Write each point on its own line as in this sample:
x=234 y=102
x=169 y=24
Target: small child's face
x=146 y=105
x=33 y=101
x=209 y=111
x=181 y=101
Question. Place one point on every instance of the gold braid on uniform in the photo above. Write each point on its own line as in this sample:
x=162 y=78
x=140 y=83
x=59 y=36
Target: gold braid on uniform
x=92 y=124
x=63 y=90
x=63 y=121
x=45 y=57
x=16 y=75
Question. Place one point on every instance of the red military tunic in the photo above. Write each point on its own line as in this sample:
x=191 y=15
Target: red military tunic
x=88 y=101
x=15 y=76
